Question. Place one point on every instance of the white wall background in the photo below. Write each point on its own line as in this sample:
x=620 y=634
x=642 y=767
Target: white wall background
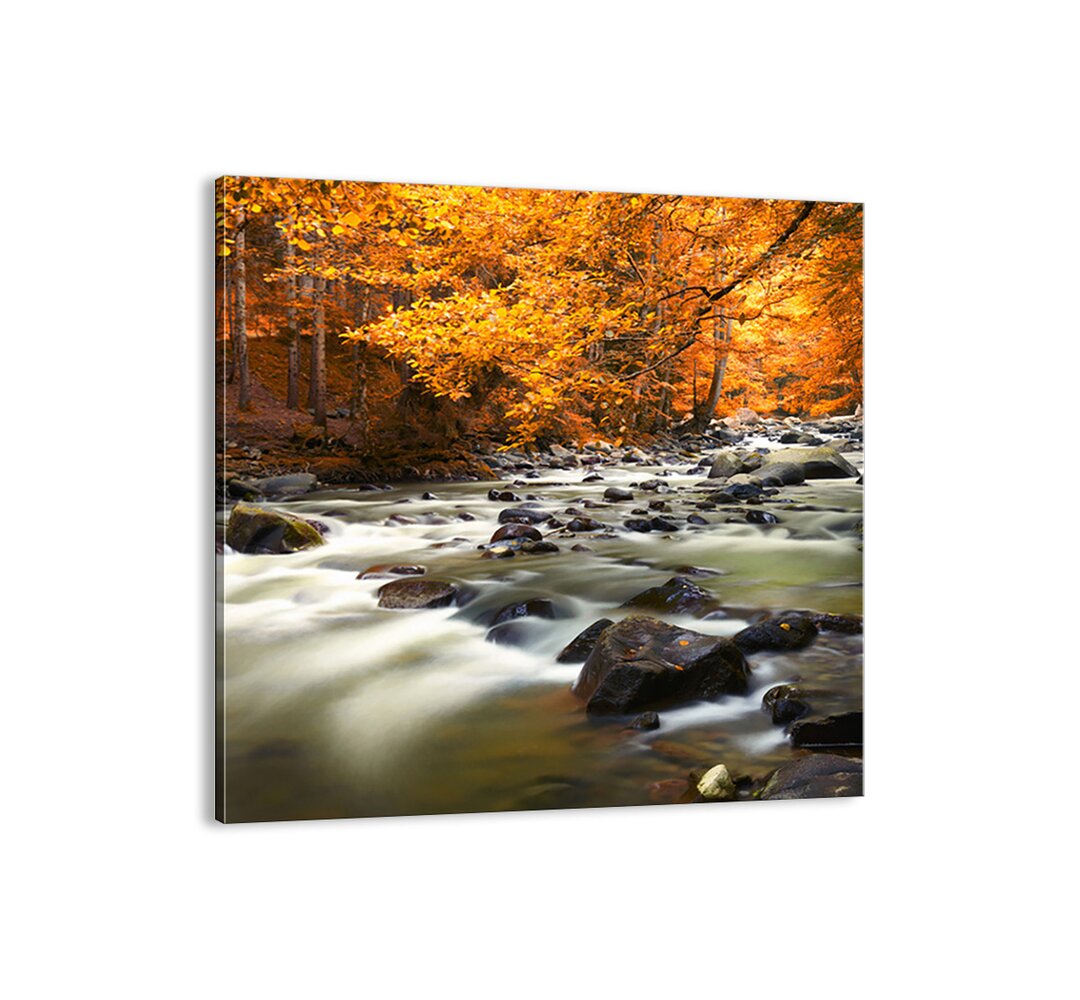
x=955 y=123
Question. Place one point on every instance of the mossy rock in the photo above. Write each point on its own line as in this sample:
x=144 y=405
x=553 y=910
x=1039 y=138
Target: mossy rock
x=258 y=530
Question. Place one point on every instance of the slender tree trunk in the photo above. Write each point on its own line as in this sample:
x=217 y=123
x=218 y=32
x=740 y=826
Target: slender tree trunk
x=721 y=342
x=318 y=353
x=358 y=400
x=311 y=282
x=293 y=333
x=721 y=339
x=239 y=331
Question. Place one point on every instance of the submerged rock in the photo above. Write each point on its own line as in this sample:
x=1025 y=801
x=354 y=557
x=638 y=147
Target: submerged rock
x=785 y=632
x=642 y=662
x=535 y=607
x=538 y=548
x=413 y=594
x=579 y=648
x=391 y=569
x=647 y=720
x=816 y=776
x=258 y=530
x=499 y=552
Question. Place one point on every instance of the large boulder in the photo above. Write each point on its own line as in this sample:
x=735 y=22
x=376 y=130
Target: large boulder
x=678 y=596
x=644 y=663
x=816 y=463
x=417 y=593
x=258 y=530
x=725 y=464
x=817 y=776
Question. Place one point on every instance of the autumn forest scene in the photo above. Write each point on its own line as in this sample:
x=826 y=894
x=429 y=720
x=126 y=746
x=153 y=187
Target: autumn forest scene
x=535 y=498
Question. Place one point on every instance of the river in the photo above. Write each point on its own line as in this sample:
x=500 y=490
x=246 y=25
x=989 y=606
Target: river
x=335 y=707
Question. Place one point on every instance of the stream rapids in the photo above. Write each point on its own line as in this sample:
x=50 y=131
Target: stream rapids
x=334 y=707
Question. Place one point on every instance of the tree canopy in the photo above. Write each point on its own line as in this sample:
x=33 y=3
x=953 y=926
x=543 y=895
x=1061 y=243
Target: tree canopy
x=549 y=315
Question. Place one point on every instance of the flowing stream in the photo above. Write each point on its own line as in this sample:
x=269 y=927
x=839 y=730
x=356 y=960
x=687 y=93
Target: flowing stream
x=335 y=707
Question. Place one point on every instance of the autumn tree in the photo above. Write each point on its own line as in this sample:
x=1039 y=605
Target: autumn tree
x=548 y=315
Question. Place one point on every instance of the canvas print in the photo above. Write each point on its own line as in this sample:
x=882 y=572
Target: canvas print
x=535 y=499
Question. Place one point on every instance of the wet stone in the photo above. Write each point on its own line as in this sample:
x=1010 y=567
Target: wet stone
x=578 y=649
x=535 y=607
x=844 y=730
x=390 y=569
x=818 y=775
x=645 y=663
x=761 y=517
x=778 y=634
x=413 y=594
x=516 y=530
x=677 y=596
x=784 y=703
x=585 y=524
x=523 y=515
x=846 y=624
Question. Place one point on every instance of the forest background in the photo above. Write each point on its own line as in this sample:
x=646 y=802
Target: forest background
x=406 y=322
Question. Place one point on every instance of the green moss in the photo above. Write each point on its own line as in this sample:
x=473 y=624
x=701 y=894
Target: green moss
x=256 y=529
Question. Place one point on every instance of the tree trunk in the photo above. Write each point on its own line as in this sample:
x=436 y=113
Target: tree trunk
x=721 y=342
x=721 y=339
x=293 y=333
x=318 y=354
x=239 y=331
x=358 y=400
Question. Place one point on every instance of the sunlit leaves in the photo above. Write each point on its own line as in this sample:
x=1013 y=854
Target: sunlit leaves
x=553 y=310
